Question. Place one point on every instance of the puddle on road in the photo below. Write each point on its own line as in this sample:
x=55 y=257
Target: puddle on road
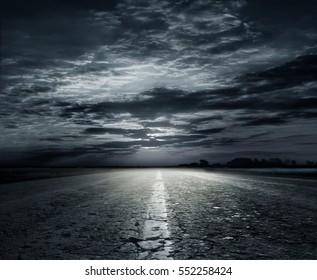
x=155 y=234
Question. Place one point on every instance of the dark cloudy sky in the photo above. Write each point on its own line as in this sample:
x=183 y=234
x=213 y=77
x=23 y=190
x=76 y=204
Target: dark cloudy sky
x=156 y=81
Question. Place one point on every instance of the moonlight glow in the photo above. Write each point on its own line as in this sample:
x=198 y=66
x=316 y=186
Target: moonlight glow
x=112 y=82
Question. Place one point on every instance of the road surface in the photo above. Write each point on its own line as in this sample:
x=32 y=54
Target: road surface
x=159 y=214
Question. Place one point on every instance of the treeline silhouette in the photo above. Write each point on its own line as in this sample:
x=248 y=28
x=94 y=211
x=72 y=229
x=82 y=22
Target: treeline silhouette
x=253 y=163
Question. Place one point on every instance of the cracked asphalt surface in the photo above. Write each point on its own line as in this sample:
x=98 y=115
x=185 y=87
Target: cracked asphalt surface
x=159 y=214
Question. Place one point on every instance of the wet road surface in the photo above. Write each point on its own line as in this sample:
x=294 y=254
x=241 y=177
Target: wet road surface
x=159 y=214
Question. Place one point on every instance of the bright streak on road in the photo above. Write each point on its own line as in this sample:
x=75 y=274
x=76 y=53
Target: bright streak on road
x=159 y=214
x=156 y=234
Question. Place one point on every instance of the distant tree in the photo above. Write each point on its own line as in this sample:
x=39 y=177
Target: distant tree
x=241 y=163
x=276 y=162
x=264 y=162
x=293 y=162
x=256 y=162
x=203 y=163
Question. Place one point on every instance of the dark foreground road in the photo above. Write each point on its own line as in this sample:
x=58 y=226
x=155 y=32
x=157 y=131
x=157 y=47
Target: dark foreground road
x=159 y=214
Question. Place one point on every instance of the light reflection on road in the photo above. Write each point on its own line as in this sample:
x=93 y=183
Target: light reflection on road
x=159 y=214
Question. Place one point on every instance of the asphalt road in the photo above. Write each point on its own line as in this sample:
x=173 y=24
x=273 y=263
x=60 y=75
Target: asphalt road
x=159 y=214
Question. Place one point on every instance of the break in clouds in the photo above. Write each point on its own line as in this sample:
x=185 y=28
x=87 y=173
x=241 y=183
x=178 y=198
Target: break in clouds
x=157 y=82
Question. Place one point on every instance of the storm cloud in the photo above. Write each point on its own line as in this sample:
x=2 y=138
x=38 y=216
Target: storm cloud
x=109 y=82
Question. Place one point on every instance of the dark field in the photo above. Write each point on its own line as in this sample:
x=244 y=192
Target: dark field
x=156 y=214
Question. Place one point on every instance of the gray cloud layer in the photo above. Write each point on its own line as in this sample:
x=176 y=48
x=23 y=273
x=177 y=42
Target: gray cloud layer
x=115 y=82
